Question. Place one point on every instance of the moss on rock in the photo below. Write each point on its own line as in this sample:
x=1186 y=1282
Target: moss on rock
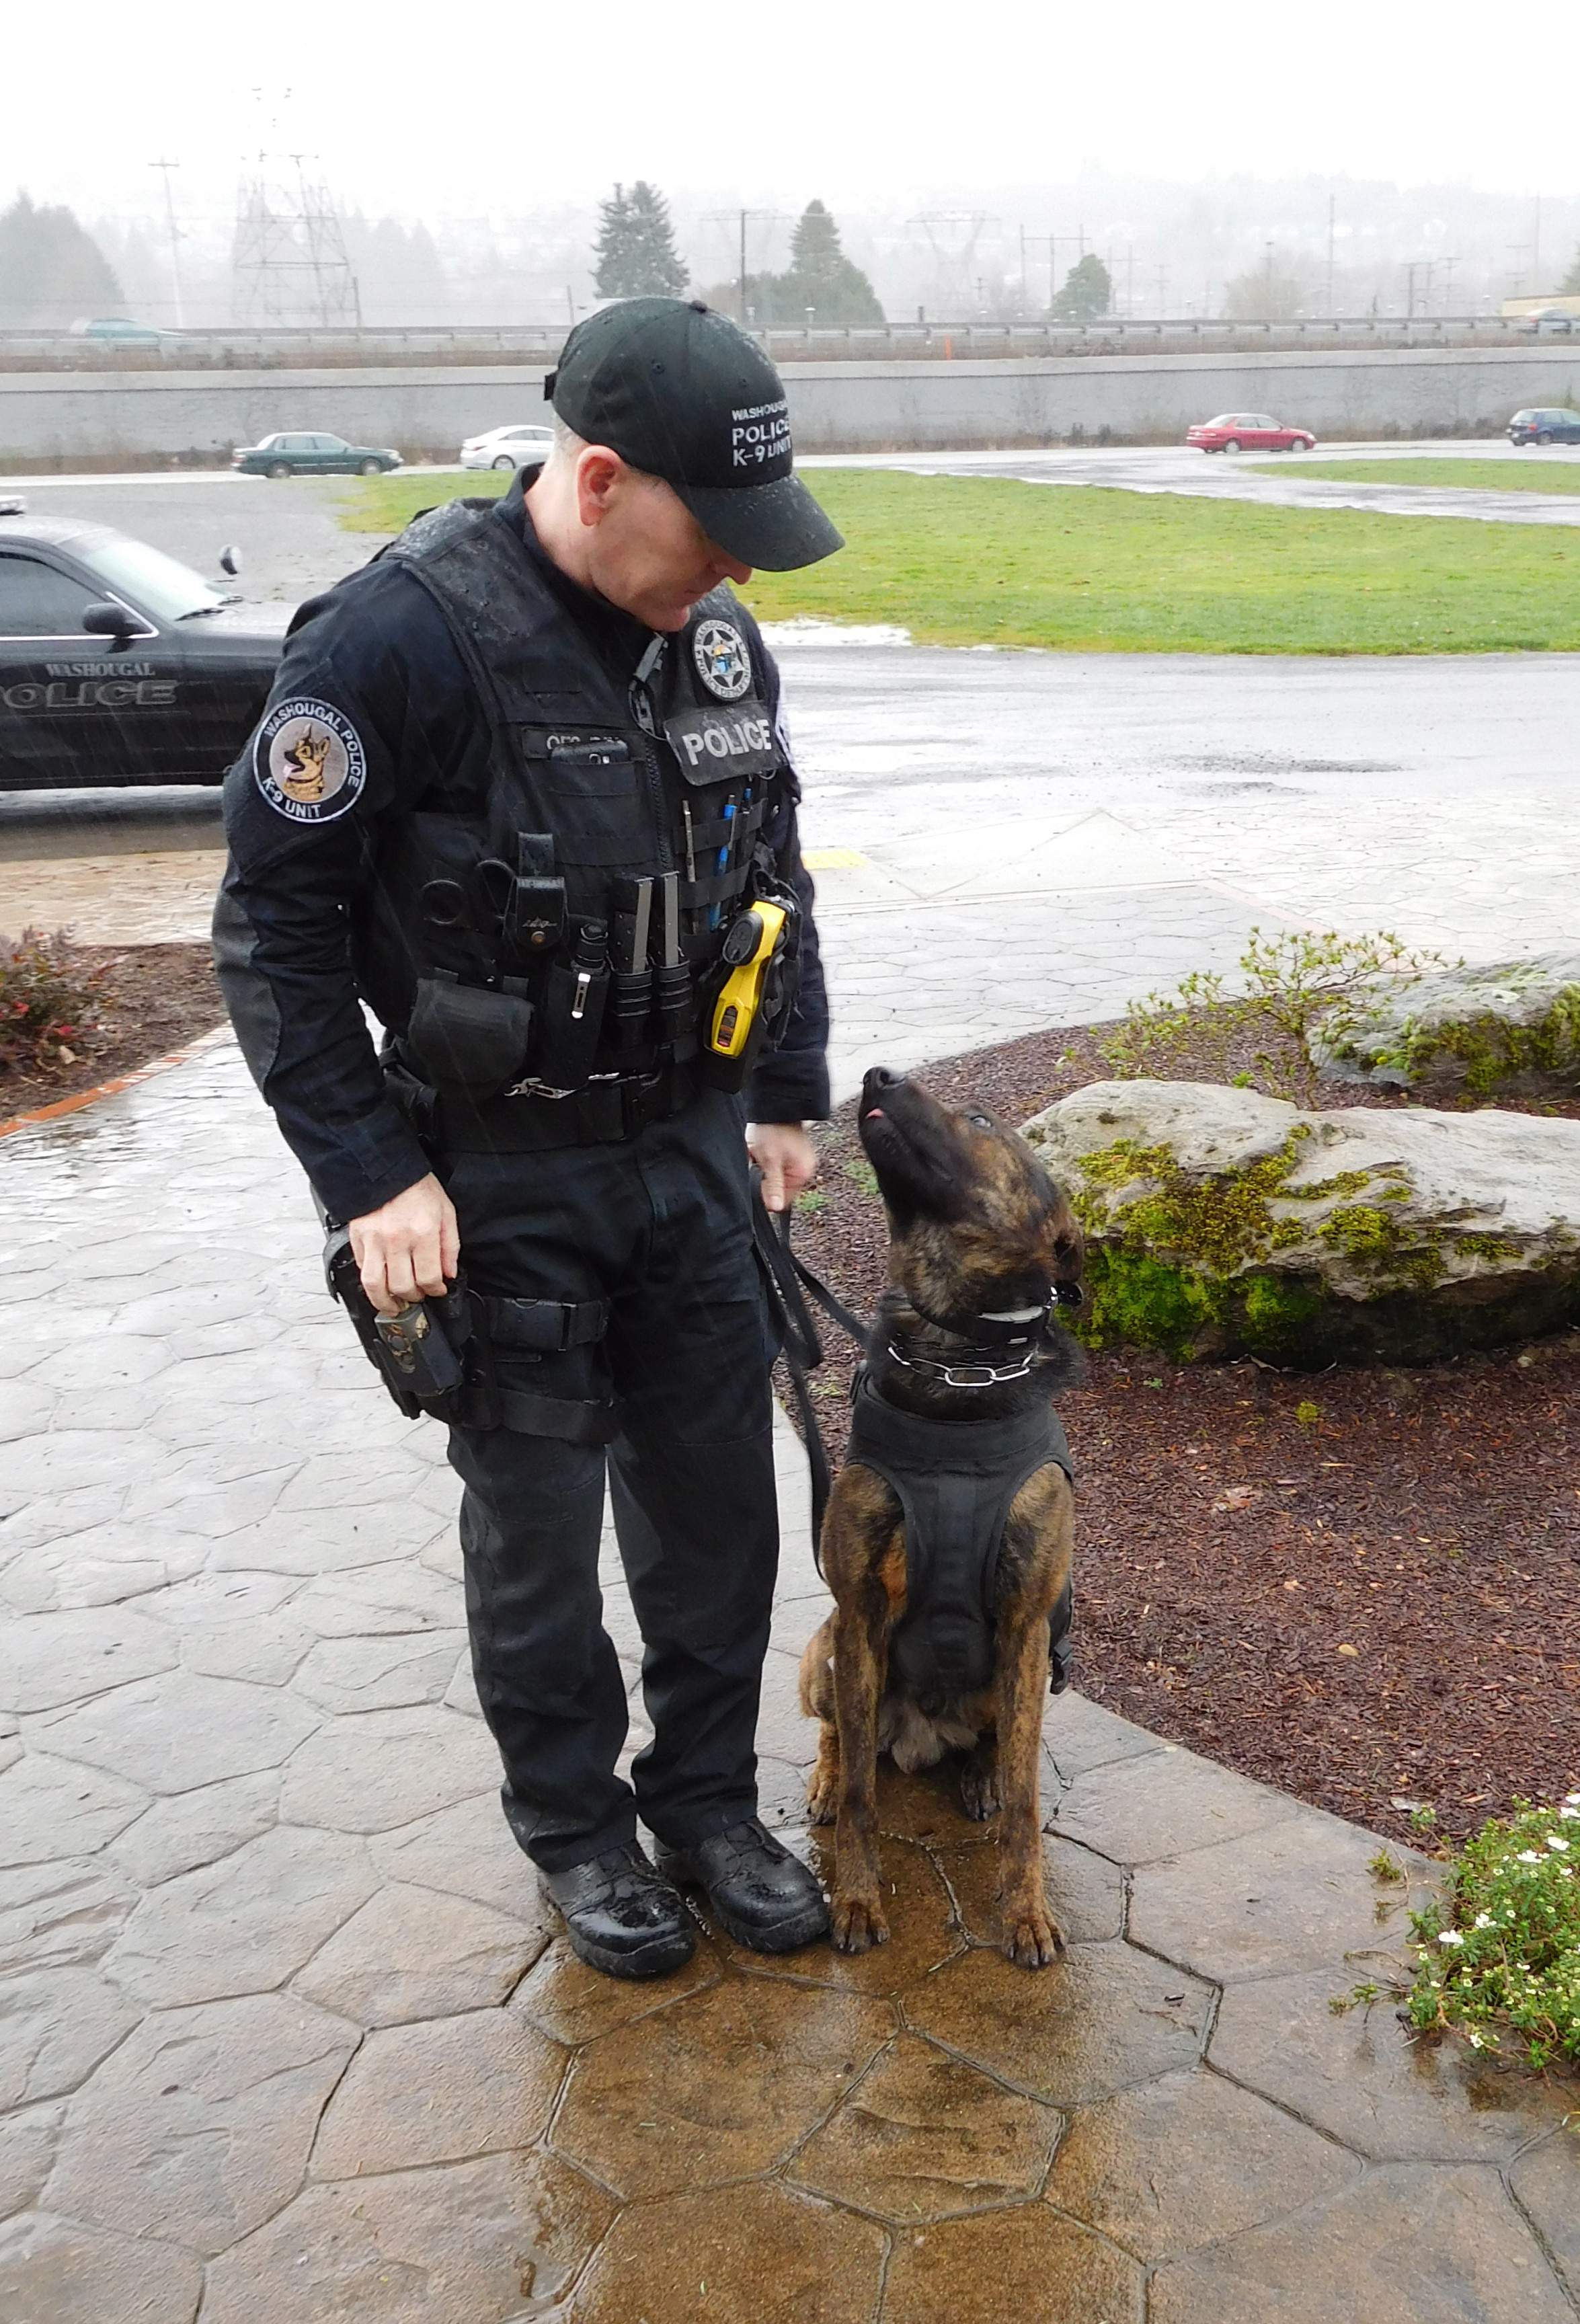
x=1209 y=1231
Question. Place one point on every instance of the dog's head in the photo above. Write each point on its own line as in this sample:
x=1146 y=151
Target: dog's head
x=977 y=1228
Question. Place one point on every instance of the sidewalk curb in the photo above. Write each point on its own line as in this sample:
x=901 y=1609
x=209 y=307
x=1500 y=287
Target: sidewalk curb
x=122 y=1081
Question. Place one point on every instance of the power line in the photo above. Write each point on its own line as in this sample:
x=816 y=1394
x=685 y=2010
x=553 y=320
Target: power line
x=176 y=237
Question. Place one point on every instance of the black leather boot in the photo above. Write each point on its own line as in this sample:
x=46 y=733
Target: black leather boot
x=621 y=1915
x=764 y=1896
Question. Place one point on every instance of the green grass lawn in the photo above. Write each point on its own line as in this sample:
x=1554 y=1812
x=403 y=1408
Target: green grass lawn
x=985 y=560
x=1534 y=474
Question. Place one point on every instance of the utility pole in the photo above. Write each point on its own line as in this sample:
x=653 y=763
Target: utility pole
x=1536 y=249
x=175 y=235
x=1130 y=278
x=1270 y=281
x=1162 y=279
x=1330 y=212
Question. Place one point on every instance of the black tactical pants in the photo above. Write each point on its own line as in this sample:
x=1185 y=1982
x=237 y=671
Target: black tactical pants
x=661 y=1226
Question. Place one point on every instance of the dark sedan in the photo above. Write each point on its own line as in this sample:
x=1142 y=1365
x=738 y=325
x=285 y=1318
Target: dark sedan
x=1557 y=424
x=302 y=455
x=118 y=664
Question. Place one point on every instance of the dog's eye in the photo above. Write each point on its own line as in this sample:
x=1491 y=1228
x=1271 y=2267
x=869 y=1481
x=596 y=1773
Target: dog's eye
x=977 y=1121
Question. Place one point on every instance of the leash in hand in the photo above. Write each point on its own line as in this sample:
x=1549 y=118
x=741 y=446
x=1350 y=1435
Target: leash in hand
x=787 y=1280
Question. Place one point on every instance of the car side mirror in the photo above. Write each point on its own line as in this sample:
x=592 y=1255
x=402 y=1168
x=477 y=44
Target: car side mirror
x=105 y=619
x=230 y=561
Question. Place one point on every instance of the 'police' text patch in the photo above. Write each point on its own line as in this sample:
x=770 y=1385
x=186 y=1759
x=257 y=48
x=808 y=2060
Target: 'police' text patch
x=309 y=760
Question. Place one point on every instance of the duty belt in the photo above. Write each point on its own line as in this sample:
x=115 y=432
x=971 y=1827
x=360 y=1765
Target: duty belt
x=604 y=1112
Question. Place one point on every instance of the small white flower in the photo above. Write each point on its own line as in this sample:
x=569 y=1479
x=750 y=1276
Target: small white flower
x=1561 y=1845
x=1570 y=1812
x=1528 y=1855
x=1475 y=2040
x=1484 y=1920
x=1451 y=1937
x=1572 y=1799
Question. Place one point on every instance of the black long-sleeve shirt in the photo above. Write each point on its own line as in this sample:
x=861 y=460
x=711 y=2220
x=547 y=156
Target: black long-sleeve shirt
x=375 y=651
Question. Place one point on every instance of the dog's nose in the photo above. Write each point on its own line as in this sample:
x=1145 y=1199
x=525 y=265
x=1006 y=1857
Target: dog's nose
x=884 y=1077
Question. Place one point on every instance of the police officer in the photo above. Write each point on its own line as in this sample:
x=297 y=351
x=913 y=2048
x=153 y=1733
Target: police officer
x=523 y=786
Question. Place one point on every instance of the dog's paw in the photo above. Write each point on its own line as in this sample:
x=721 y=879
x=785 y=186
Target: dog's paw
x=822 y=1797
x=857 y=1923
x=979 y=1790
x=1032 y=1938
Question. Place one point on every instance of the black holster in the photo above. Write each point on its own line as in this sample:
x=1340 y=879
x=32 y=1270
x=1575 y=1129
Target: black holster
x=434 y=1357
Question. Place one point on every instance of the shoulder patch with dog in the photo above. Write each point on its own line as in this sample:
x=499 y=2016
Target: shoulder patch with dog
x=309 y=760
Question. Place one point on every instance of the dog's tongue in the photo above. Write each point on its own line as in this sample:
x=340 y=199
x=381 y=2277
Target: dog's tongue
x=873 y=1113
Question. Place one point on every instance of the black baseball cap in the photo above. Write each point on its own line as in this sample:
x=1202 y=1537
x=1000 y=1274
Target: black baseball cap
x=683 y=393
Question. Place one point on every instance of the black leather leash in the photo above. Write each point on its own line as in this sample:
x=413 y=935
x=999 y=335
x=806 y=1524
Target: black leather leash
x=787 y=1280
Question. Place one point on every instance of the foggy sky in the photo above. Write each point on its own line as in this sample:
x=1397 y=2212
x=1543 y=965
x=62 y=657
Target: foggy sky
x=494 y=108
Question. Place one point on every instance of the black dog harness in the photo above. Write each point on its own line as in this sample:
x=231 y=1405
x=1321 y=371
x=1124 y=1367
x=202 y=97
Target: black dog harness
x=955 y=1481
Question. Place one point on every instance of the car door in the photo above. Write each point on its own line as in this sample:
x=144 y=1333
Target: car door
x=74 y=709
x=331 y=456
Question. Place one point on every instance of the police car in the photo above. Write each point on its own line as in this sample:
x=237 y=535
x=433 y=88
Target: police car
x=118 y=664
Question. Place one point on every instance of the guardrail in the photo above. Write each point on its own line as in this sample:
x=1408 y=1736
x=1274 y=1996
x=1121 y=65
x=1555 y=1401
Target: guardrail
x=281 y=348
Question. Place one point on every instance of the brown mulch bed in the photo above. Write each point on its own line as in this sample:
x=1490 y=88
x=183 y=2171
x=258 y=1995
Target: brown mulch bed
x=153 y=999
x=1376 y=1607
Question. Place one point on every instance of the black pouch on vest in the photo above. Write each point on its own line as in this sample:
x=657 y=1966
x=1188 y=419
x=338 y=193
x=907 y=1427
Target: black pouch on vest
x=464 y=1038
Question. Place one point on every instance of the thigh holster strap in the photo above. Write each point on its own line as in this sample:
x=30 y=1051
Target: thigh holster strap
x=545 y=1327
x=530 y=1415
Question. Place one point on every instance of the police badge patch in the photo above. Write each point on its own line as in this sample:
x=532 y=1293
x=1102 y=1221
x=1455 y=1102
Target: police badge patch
x=722 y=662
x=309 y=760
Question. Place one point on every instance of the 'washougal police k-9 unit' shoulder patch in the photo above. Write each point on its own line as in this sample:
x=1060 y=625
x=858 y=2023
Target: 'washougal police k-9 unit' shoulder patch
x=309 y=760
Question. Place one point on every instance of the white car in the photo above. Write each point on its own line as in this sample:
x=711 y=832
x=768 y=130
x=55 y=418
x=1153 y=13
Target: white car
x=507 y=447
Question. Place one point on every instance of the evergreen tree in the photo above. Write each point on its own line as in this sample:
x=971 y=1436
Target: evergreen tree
x=634 y=249
x=821 y=277
x=1087 y=291
x=1569 y=287
x=51 y=274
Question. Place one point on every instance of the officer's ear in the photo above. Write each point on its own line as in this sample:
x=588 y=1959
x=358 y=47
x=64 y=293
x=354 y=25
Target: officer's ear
x=599 y=473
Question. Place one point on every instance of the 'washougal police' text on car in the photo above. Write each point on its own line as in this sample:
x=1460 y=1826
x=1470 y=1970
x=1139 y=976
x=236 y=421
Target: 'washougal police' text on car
x=118 y=664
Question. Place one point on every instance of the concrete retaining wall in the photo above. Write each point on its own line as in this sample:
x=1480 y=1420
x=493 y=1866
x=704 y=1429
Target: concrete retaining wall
x=75 y=421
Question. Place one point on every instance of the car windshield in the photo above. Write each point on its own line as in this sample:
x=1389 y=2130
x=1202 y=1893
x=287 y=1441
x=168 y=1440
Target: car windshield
x=169 y=591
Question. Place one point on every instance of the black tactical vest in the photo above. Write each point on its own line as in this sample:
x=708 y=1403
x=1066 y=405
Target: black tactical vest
x=955 y=1481
x=676 y=771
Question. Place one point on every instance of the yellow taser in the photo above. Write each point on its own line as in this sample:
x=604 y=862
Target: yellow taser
x=749 y=951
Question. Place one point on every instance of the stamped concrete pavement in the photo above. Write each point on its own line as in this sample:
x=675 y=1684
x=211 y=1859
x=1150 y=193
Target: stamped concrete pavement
x=287 y=2035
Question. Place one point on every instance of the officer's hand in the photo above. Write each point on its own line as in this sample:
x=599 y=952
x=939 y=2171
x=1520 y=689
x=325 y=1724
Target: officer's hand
x=411 y=1249
x=786 y=1158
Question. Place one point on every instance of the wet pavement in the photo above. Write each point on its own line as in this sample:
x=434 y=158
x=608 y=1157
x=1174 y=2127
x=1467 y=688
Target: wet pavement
x=286 y=2034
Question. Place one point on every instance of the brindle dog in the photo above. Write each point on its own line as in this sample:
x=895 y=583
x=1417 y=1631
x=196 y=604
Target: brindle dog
x=977 y=1231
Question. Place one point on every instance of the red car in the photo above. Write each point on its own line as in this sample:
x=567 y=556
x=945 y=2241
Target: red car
x=1248 y=431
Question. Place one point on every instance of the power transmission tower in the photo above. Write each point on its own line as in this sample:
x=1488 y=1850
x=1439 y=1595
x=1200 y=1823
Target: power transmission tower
x=291 y=265
x=952 y=236
x=177 y=238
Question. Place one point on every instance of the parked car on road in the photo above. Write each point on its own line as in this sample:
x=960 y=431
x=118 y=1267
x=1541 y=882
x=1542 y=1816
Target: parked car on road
x=507 y=447
x=120 y=331
x=313 y=455
x=118 y=664
x=1248 y=431
x=1553 y=425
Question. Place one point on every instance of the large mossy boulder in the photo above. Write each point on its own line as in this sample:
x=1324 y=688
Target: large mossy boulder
x=1222 y=1222
x=1507 y=1029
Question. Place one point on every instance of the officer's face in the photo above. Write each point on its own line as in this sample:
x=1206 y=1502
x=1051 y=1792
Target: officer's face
x=643 y=549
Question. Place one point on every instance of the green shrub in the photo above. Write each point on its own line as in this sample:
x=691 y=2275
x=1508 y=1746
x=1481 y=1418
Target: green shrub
x=1503 y=1949
x=50 y=999
x=1290 y=980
